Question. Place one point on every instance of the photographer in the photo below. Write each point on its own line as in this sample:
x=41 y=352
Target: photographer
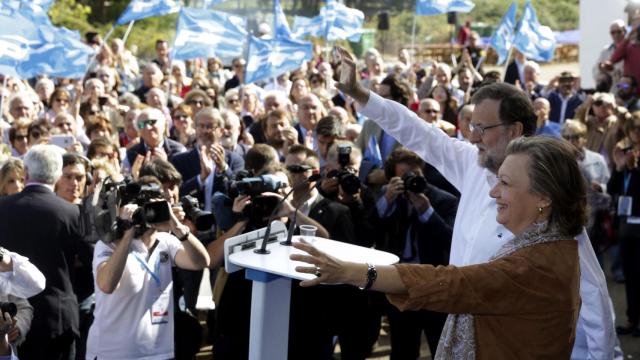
x=231 y=336
x=341 y=183
x=134 y=302
x=418 y=219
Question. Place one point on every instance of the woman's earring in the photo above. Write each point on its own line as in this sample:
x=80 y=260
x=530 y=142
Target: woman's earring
x=540 y=210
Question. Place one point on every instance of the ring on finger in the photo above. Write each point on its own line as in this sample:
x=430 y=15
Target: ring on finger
x=318 y=273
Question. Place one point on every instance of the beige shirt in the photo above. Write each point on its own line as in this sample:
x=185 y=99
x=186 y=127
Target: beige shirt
x=525 y=305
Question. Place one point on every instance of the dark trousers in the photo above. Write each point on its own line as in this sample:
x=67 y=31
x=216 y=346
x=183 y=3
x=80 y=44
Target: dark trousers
x=629 y=238
x=406 y=329
x=58 y=348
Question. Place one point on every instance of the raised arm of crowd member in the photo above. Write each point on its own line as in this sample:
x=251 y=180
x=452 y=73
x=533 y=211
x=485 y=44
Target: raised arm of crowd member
x=18 y=276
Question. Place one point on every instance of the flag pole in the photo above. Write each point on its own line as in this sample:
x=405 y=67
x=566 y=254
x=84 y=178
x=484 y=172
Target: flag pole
x=413 y=38
x=506 y=63
x=126 y=34
x=4 y=86
x=93 y=58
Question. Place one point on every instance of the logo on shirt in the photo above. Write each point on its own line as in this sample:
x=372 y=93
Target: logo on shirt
x=164 y=257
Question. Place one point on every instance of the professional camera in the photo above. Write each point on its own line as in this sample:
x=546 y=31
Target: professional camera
x=203 y=220
x=261 y=206
x=9 y=308
x=110 y=196
x=414 y=183
x=348 y=181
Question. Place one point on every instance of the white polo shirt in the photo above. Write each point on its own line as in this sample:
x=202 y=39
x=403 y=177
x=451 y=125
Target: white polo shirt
x=136 y=320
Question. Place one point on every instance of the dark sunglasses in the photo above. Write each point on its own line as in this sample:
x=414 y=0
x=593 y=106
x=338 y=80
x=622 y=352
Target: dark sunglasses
x=431 y=111
x=296 y=169
x=571 y=137
x=20 y=137
x=36 y=134
x=143 y=123
x=61 y=100
x=233 y=101
x=623 y=86
x=598 y=103
x=615 y=32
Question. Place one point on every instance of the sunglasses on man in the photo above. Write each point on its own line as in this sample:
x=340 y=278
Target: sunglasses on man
x=297 y=169
x=144 y=123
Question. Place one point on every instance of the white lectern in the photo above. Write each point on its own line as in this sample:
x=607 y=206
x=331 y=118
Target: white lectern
x=271 y=275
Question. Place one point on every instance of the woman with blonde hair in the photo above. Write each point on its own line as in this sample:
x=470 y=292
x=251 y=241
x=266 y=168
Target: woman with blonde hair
x=11 y=177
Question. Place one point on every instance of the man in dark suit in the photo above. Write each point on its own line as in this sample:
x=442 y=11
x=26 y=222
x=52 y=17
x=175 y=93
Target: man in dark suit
x=152 y=124
x=207 y=167
x=38 y=224
x=310 y=111
x=419 y=228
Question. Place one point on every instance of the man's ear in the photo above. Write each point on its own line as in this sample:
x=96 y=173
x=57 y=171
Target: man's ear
x=516 y=130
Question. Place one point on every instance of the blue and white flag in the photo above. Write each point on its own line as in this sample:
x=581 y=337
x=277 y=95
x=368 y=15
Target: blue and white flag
x=210 y=3
x=62 y=55
x=342 y=22
x=535 y=41
x=140 y=9
x=204 y=33
x=436 y=7
x=17 y=35
x=270 y=58
x=280 y=25
x=502 y=38
x=304 y=26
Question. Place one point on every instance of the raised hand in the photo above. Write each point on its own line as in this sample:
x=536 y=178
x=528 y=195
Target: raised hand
x=348 y=77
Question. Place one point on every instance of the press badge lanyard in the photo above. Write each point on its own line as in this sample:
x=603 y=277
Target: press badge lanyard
x=627 y=181
x=145 y=266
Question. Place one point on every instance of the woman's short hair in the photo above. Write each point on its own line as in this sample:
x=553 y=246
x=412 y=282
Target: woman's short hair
x=43 y=163
x=12 y=165
x=98 y=122
x=554 y=173
x=197 y=92
x=183 y=108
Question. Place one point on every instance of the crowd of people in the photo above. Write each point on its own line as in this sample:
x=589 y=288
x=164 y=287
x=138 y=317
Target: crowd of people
x=502 y=196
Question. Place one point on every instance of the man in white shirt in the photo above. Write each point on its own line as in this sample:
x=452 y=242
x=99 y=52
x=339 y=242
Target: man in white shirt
x=501 y=113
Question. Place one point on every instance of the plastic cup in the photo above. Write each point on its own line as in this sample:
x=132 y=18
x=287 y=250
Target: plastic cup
x=308 y=231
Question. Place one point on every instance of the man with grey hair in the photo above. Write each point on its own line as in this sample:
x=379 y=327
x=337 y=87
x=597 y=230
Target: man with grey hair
x=231 y=133
x=151 y=77
x=152 y=124
x=21 y=106
x=464 y=120
x=208 y=165
x=618 y=31
x=52 y=246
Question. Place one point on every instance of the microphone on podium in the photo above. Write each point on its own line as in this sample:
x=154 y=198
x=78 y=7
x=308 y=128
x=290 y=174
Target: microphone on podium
x=263 y=247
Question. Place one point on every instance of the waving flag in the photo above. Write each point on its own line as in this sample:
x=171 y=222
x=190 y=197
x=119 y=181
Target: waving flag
x=210 y=3
x=208 y=33
x=502 y=38
x=140 y=9
x=30 y=46
x=535 y=41
x=304 y=26
x=280 y=25
x=17 y=34
x=436 y=7
x=272 y=57
x=62 y=55
x=342 y=22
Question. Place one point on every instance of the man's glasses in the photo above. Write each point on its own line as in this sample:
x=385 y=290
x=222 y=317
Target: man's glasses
x=482 y=129
x=233 y=101
x=615 y=32
x=180 y=116
x=21 y=137
x=598 y=103
x=624 y=86
x=297 y=169
x=62 y=101
x=571 y=138
x=143 y=123
x=196 y=102
x=430 y=111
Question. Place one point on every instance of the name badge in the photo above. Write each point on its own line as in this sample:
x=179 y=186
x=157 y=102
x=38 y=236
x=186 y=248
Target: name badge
x=160 y=309
x=624 y=205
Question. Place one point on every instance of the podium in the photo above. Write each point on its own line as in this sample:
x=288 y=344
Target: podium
x=271 y=275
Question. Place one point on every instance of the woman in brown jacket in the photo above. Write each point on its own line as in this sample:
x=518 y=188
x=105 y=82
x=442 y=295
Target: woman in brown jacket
x=524 y=302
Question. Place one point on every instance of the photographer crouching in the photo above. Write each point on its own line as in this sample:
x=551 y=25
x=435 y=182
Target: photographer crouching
x=132 y=269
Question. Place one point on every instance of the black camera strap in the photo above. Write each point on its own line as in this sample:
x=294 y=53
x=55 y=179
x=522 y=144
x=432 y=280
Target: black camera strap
x=153 y=247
